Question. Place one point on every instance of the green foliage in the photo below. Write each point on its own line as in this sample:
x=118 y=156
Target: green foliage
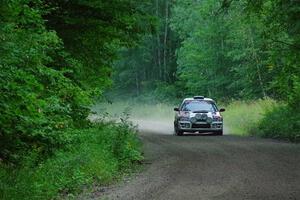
x=97 y=155
x=94 y=31
x=37 y=102
x=243 y=117
x=160 y=92
x=294 y=97
x=246 y=50
x=54 y=56
x=153 y=60
x=282 y=122
x=282 y=35
x=165 y=92
x=277 y=44
x=220 y=51
x=265 y=118
x=224 y=49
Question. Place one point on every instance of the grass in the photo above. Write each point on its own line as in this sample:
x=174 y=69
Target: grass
x=243 y=117
x=97 y=155
x=263 y=118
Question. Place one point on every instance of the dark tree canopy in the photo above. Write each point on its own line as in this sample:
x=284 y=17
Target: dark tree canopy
x=225 y=49
x=55 y=56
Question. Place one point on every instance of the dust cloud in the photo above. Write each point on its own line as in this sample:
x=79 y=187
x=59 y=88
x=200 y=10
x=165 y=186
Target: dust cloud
x=157 y=118
x=154 y=118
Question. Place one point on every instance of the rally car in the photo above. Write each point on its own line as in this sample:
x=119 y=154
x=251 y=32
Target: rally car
x=198 y=114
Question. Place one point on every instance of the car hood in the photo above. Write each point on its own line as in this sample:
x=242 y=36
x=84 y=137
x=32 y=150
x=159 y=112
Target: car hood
x=209 y=114
x=193 y=114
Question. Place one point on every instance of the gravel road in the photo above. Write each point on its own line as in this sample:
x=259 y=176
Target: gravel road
x=211 y=167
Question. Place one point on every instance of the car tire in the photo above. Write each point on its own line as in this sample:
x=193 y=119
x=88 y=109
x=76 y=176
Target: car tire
x=177 y=132
x=219 y=132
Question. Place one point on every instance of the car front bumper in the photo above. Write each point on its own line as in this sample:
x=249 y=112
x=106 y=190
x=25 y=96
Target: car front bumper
x=188 y=126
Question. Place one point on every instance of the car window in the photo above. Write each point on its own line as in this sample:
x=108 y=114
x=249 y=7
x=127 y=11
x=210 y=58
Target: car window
x=194 y=105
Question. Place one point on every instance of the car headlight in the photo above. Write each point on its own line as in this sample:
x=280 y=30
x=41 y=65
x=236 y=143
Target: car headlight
x=184 y=119
x=217 y=118
x=198 y=116
x=209 y=120
x=193 y=119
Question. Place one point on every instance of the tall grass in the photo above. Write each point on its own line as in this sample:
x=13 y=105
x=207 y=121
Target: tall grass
x=100 y=155
x=243 y=117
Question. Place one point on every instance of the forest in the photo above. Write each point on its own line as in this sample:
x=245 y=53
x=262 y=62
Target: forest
x=224 y=49
x=230 y=50
x=59 y=57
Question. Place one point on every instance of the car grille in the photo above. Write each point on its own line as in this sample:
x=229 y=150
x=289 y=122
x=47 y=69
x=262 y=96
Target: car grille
x=201 y=120
x=201 y=117
x=201 y=126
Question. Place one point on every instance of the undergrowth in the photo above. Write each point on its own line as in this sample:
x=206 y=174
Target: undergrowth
x=96 y=155
x=282 y=122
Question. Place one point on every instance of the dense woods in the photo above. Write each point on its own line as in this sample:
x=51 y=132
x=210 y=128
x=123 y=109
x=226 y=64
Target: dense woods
x=58 y=56
x=228 y=50
x=225 y=49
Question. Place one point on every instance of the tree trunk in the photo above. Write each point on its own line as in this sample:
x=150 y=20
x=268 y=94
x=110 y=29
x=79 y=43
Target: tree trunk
x=137 y=84
x=165 y=40
x=158 y=44
x=257 y=63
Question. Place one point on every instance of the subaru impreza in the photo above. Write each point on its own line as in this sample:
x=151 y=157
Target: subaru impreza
x=198 y=114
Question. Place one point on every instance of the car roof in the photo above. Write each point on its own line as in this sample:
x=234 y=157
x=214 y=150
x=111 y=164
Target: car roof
x=205 y=99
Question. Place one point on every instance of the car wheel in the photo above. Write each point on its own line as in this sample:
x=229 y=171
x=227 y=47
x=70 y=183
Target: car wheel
x=177 y=132
x=219 y=132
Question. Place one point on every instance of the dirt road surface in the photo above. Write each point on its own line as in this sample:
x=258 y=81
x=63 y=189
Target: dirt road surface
x=211 y=168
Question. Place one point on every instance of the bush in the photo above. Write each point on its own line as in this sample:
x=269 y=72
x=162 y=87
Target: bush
x=39 y=97
x=294 y=97
x=99 y=154
x=282 y=122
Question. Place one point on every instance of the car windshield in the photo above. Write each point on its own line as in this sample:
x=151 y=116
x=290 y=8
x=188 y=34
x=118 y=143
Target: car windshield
x=201 y=106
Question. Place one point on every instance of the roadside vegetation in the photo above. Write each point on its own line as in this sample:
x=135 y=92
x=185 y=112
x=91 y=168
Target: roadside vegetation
x=55 y=58
x=94 y=156
x=264 y=118
x=243 y=117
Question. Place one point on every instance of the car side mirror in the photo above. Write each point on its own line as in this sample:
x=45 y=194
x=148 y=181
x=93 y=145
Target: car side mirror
x=222 y=110
x=176 y=109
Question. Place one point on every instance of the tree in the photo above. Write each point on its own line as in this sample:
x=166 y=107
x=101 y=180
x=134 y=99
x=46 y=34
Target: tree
x=153 y=60
x=53 y=55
